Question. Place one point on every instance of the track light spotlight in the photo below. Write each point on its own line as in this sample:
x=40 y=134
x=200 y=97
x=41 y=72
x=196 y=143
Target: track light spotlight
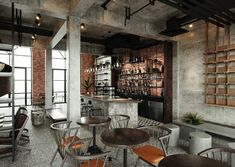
x=33 y=37
x=38 y=16
x=37 y=22
x=82 y=26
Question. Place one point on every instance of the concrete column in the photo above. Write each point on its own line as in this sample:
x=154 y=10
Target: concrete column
x=48 y=78
x=74 y=82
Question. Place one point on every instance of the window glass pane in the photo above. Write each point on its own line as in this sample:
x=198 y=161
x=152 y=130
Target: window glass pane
x=22 y=61
x=28 y=86
x=59 y=97
x=19 y=86
x=60 y=54
x=23 y=51
x=4 y=59
x=29 y=74
x=58 y=74
x=58 y=86
x=58 y=63
x=19 y=74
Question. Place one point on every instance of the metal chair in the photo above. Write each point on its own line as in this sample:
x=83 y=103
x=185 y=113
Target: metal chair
x=78 y=156
x=155 y=149
x=119 y=121
x=63 y=135
x=6 y=135
x=221 y=154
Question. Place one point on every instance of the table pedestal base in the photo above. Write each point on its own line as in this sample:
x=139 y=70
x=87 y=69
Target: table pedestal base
x=124 y=157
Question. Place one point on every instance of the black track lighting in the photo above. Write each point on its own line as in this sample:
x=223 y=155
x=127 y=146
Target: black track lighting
x=37 y=22
x=38 y=17
x=82 y=26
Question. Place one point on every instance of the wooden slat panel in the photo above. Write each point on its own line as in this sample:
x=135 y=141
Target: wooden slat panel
x=221 y=69
x=231 y=80
x=231 y=57
x=221 y=80
x=231 y=102
x=231 y=68
x=210 y=69
x=210 y=100
x=221 y=101
x=221 y=58
x=210 y=90
x=211 y=80
x=221 y=91
x=231 y=91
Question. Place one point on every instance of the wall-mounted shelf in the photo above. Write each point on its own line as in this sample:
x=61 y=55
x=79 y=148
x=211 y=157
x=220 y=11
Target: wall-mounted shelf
x=220 y=71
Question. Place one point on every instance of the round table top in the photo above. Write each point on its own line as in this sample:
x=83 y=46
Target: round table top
x=189 y=160
x=124 y=137
x=94 y=121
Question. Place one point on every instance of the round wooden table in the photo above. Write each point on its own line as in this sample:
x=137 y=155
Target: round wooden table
x=124 y=138
x=94 y=121
x=189 y=160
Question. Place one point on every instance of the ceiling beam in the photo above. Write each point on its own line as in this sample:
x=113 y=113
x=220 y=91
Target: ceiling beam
x=199 y=12
x=59 y=35
x=80 y=7
x=25 y=29
x=184 y=9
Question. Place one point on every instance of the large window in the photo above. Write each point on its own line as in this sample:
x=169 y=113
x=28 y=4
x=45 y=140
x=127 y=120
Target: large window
x=22 y=74
x=59 y=76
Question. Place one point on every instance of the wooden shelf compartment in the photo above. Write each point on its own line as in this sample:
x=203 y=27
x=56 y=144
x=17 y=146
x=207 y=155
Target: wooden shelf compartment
x=211 y=80
x=231 y=102
x=231 y=80
x=221 y=69
x=221 y=100
x=211 y=69
x=223 y=48
x=221 y=80
x=210 y=99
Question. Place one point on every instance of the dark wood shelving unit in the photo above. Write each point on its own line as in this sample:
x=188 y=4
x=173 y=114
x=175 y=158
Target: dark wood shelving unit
x=220 y=70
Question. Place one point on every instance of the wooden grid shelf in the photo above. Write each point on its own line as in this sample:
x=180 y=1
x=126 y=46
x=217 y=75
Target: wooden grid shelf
x=220 y=70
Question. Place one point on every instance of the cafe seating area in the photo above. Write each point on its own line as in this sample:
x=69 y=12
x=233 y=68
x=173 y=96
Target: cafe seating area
x=117 y=83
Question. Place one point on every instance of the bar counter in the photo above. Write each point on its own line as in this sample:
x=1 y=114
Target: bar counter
x=116 y=105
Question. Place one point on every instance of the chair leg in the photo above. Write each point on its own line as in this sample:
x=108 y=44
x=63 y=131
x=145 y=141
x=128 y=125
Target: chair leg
x=24 y=148
x=137 y=162
x=53 y=157
x=63 y=161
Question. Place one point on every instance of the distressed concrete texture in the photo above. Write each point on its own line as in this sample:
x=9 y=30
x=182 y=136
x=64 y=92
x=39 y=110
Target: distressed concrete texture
x=189 y=79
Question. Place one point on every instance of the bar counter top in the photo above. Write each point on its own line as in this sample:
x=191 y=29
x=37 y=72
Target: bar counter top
x=110 y=99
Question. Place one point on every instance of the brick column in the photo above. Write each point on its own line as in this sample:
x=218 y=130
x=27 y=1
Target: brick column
x=38 y=73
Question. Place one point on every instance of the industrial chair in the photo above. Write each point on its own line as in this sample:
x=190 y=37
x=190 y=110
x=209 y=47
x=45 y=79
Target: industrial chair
x=156 y=148
x=21 y=109
x=78 y=156
x=119 y=121
x=6 y=135
x=221 y=154
x=63 y=135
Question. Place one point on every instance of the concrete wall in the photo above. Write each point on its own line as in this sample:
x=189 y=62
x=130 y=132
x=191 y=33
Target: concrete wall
x=188 y=78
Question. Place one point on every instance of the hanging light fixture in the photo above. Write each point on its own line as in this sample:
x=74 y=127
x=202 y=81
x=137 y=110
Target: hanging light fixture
x=38 y=19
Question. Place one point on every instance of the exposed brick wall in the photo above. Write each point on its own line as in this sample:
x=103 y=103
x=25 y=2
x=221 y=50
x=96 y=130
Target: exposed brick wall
x=38 y=74
x=87 y=62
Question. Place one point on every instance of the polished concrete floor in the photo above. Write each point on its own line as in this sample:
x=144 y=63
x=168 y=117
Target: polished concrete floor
x=42 y=147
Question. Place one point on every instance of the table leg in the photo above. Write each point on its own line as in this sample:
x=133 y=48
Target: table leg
x=124 y=157
x=94 y=135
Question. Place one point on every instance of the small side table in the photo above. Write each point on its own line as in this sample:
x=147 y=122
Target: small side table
x=199 y=141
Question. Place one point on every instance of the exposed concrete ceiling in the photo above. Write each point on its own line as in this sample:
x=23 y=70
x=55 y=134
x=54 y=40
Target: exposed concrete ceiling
x=100 y=23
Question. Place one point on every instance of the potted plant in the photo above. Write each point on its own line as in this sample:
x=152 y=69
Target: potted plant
x=193 y=118
x=87 y=84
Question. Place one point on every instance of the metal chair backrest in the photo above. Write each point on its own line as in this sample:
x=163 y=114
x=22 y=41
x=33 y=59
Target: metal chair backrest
x=63 y=135
x=119 y=121
x=20 y=123
x=159 y=136
x=221 y=154
x=78 y=156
